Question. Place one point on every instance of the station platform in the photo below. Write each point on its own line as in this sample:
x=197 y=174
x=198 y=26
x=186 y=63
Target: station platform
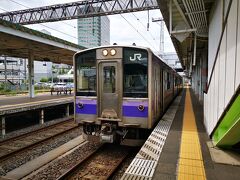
x=13 y=100
x=179 y=148
x=10 y=105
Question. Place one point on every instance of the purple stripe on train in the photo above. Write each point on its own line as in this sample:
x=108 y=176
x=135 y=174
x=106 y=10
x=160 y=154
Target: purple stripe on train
x=89 y=106
x=135 y=103
x=87 y=109
x=86 y=101
x=132 y=111
x=130 y=108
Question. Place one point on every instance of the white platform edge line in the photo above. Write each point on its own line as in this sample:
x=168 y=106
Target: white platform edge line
x=165 y=125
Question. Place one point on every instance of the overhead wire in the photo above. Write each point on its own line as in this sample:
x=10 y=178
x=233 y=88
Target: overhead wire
x=142 y=25
x=138 y=32
x=3 y=9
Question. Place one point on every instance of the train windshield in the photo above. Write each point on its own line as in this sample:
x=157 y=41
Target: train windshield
x=135 y=73
x=86 y=74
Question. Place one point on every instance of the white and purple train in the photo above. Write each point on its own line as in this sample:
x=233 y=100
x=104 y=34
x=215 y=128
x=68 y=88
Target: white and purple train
x=122 y=91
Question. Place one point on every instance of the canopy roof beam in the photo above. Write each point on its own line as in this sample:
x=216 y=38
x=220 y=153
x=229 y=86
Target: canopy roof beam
x=74 y=10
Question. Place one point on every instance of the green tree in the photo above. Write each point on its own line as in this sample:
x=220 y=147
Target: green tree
x=44 y=80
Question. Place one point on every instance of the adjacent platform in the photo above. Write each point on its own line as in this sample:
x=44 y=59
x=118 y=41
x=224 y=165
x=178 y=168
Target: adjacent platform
x=22 y=104
x=10 y=105
x=177 y=148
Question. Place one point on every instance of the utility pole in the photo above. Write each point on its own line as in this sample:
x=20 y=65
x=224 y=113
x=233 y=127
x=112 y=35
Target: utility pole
x=161 y=47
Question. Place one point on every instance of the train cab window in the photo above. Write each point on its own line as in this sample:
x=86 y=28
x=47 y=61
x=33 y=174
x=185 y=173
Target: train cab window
x=86 y=74
x=135 y=77
x=109 y=79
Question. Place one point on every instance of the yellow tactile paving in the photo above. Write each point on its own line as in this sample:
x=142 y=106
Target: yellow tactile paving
x=190 y=164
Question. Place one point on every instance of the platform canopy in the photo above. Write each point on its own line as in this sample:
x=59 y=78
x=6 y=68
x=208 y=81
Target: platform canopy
x=187 y=22
x=17 y=41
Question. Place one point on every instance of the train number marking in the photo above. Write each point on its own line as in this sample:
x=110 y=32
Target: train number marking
x=136 y=57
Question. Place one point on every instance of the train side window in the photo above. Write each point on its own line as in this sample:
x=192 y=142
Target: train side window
x=168 y=81
x=109 y=79
x=176 y=81
x=86 y=74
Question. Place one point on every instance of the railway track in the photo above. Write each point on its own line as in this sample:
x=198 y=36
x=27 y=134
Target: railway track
x=22 y=142
x=99 y=165
x=62 y=164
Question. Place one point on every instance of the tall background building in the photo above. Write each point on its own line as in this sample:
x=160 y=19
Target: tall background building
x=94 y=31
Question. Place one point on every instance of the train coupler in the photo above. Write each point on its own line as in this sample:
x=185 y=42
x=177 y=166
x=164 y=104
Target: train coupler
x=107 y=134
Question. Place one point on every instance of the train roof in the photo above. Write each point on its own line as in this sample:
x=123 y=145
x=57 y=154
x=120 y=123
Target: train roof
x=120 y=46
x=165 y=63
x=129 y=46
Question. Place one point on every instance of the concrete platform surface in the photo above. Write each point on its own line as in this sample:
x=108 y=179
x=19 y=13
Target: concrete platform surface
x=223 y=156
x=18 y=104
x=13 y=100
x=168 y=163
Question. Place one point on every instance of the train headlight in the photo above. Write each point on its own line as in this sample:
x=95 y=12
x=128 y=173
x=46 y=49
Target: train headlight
x=113 y=52
x=141 y=107
x=105 y=52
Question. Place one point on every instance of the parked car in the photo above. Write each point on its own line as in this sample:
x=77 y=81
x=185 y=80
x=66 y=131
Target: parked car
x=70 y=85
x=42 y=85
x=38 y=84
x=61 y=87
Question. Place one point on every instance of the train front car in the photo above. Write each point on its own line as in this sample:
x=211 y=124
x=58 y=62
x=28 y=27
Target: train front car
x=111 y=95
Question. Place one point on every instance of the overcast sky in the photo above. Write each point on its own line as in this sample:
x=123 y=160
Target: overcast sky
x=121 y=31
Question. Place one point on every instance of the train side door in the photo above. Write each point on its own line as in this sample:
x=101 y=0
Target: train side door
x=109 y=90
x=161 y=91
x=163 y=84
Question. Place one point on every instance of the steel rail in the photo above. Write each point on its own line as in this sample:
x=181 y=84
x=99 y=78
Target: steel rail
x=83 y=163
x=34 y=131
x=21 y=149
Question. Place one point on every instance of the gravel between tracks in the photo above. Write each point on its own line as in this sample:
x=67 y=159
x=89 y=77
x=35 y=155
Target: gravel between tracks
x=102 y=164
x=37 y=151
x=58 y=167
x=123 y=167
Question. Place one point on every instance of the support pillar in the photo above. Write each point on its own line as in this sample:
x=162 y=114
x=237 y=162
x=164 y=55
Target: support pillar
x=5 y=70
x=195 y=49
x=67 y=110
x=31 y=74
x=41 y=121
x=2 y=125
